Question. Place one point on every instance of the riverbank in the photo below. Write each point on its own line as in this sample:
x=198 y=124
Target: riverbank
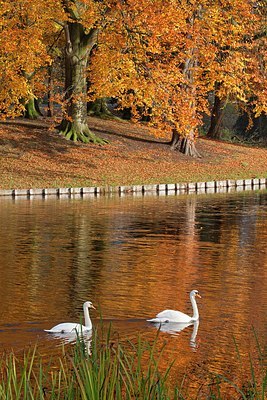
x=32 y=155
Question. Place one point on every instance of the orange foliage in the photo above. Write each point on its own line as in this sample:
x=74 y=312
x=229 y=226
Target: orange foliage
x=160 y=58
x=23 y=50
x=166 y=56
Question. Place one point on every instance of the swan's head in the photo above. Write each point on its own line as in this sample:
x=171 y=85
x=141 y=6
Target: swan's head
x=194 y=293
x=89 y=304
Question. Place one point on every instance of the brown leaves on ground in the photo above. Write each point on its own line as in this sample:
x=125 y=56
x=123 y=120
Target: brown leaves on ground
x=34 y=156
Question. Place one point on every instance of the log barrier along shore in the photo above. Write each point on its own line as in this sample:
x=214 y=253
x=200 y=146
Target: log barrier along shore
x=171 y=188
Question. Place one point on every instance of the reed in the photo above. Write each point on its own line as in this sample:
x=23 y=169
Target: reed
x=105 y=368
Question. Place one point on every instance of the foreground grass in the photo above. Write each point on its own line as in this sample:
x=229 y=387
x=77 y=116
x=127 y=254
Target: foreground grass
x=105 y=371
x=108 y=370
x=32 y=156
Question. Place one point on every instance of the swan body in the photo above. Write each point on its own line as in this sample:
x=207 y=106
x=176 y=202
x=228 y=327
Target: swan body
x=172 y=316
x=70 y=327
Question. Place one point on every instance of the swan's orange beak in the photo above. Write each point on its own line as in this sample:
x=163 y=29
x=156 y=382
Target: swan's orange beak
x=92 y=306
x=198 y=295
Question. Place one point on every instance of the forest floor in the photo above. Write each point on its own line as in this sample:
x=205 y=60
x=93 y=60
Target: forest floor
x=32 y=155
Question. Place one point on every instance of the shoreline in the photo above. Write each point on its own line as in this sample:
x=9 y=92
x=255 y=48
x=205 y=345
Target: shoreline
x=172 y=188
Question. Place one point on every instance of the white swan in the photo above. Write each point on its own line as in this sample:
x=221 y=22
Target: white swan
x=70 y=327
x=167 y=316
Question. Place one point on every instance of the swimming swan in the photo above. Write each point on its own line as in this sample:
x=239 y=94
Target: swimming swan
x=177 y=316
x=70 y=327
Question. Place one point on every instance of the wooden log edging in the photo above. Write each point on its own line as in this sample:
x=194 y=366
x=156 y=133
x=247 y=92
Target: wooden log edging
x=171 y=188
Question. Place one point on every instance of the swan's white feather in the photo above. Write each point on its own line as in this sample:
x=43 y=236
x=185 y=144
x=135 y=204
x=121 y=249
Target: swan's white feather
x=68 y=327
x=171 y=316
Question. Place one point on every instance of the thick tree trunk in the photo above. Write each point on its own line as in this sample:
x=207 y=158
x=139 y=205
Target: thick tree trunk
x=216 y=116
x=185 y=145
x=78 y=47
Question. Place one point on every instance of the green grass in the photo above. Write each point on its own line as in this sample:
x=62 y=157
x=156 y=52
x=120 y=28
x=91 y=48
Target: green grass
x=110 y=370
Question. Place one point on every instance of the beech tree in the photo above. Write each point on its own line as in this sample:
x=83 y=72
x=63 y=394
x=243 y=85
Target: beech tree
x=157 y=66
x=83 y=20
x=25 y=56
x=22 y=52
x=238 y=68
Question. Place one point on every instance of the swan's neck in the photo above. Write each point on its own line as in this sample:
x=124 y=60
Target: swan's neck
x=195 y=309
x=87 y=319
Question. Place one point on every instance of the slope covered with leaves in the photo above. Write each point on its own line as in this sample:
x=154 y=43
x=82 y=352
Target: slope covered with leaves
x=33 y=156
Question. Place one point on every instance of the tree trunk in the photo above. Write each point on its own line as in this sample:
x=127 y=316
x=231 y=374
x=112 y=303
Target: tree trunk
x=216 y=116
x=99 y=108
x=32 y=110
x=50 y=108
x=185 y=142
x=79 y=44
x=185 y=145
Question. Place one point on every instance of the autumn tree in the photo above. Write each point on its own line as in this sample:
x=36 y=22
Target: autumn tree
x=23 y=53
x=81 y=25
x=155 y=67
x=236 y=69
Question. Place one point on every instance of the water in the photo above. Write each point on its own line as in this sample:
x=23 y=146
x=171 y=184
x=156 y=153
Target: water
x=133 y=257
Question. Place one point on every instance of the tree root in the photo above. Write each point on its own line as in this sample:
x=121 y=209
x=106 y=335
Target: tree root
x=184 y=145
x=79 y=133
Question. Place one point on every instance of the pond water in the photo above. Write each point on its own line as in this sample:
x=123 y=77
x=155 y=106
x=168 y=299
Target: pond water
x=134 y=256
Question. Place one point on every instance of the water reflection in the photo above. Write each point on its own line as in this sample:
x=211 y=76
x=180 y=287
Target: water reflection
x=84 y=339
x=175 y=328
x=128 y=254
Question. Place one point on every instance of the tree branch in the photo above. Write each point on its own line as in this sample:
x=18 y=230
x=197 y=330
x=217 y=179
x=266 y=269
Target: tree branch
x=69 y=48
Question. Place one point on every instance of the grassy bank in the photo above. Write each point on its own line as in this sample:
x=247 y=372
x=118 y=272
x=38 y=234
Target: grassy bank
x=34 y=156
x=109 y=370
